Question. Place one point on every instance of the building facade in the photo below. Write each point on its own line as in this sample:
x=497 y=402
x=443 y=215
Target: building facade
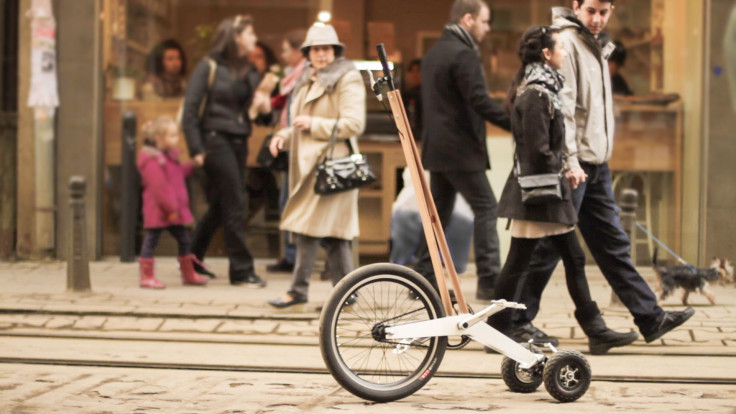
x=676 y=150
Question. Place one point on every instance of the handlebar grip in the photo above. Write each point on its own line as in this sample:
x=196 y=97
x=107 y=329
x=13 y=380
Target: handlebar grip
x=382 y=57
x=381 y=49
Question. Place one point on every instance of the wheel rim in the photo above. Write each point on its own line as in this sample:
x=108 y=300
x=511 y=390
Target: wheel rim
x=370 y=360
x=570 y=377
x=524 y=375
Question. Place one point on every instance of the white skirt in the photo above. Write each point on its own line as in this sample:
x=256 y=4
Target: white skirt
x=526 y=229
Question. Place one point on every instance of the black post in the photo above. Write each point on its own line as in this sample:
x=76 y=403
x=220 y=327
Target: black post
x=628 y=202
x=77 y=265
x=130 y=190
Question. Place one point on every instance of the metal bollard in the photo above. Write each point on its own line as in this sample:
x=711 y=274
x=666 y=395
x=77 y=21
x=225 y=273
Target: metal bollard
x=628 y=202
x=77 y=265
x=130 y=190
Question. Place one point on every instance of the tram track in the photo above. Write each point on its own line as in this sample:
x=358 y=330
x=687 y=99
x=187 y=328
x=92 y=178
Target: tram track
x=85 y=351
x=307 y=371
x=266 y=340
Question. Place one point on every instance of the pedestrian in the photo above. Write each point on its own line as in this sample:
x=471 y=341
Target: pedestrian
x=407 y=233
x=165 y=200
x=616 y=62
x=538 y=128
x=260 y=182
x=294 y=64
x=218 y=140
x=330 y=94
x=167 y=68
x=456 y=106
x=411 y=95
x=588 y=111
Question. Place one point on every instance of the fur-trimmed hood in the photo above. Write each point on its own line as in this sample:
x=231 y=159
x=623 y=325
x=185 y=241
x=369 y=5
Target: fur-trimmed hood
x=329 y=76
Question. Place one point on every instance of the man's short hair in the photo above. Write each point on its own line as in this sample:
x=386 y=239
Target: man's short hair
x=462 y=7
x=581 y=2
x=295 y=38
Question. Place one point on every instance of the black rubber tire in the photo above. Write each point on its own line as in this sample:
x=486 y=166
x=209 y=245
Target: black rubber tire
x=346 y=333
x=567 y=375
x=522 y=381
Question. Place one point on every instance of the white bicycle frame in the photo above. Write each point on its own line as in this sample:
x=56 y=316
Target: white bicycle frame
x=464 y=323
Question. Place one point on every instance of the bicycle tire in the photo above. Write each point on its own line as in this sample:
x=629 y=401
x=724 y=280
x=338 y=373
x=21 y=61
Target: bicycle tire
x=359 y=359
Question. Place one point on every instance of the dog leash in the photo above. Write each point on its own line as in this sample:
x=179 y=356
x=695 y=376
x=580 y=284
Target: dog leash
x=667 y=249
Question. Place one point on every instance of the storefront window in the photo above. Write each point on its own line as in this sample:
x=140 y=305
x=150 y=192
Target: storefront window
x=150 y=48
x=648 y=149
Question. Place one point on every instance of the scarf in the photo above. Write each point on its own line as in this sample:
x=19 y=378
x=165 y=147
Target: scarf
x=463 y=34
x=328 y=77
x=287 y=85
x=546 y=76
x=289 y=81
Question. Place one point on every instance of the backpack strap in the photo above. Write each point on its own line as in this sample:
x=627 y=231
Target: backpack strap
x=202 y=105
x=210 y=81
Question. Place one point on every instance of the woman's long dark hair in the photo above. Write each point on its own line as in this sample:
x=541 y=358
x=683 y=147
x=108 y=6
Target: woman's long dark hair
x=155 y=62
x=531 y=46
x=224 y=44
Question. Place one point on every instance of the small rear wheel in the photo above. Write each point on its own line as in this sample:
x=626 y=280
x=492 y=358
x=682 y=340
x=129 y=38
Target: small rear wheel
x=353 y=338
x=522 y=380
x=567 y=375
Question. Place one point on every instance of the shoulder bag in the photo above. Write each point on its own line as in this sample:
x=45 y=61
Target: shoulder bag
x=335 y=175
x=538 y=188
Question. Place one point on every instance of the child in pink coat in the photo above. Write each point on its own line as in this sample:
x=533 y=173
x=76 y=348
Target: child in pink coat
x=165 y=200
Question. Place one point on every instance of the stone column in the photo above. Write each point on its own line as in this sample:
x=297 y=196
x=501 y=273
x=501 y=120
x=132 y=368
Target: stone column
x=79 y=126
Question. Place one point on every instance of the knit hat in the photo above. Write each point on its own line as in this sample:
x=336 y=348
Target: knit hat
x=322 y=35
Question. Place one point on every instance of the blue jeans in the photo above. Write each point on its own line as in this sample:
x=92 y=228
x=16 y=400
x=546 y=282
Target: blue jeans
x=476 y=190
x=600 y=226
x=407 y=232
x=289 y=247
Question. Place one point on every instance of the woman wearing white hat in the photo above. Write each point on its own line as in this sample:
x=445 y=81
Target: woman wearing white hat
x=330 y=92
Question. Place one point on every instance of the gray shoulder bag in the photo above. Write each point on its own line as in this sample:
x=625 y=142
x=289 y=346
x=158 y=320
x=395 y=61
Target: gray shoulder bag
x=538 y=188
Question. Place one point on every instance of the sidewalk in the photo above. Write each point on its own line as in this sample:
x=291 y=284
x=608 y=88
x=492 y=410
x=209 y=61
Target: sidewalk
x=34 y=296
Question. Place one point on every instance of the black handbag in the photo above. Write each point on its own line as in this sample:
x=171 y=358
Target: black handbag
x=538 y=188
x=342 y=174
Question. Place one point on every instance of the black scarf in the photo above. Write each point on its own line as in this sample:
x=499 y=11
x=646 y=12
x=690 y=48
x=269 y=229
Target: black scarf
x=463 y=35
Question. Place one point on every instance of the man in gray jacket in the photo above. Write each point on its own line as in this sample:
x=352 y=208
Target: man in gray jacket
x=589 y=122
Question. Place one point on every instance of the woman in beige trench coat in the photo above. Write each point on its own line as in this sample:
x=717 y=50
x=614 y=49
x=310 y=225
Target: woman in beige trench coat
x=330 y=92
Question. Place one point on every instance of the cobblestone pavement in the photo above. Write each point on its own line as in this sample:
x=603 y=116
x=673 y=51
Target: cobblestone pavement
x=34 y=297
x=56 y=389
x=224 y=327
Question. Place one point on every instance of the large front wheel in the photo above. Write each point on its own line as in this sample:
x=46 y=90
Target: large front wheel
x=352 y=332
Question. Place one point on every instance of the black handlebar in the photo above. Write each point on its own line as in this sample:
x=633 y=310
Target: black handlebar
x=384 y=63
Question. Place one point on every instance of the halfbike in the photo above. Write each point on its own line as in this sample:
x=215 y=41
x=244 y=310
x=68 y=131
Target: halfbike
x=384 y=329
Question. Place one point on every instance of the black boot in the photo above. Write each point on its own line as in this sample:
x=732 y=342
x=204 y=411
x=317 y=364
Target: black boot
x=600 y=338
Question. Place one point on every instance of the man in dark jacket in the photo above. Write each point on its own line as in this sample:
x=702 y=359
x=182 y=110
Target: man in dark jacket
x=455 y=108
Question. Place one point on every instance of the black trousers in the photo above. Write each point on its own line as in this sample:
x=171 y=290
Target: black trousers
x=476 y=190
x=150 y=240
x=600 y=226
x=224 y=167
x=521 y=250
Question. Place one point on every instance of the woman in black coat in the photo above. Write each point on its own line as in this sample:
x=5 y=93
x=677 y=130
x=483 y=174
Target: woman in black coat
x=217 y=127
x=537 y=125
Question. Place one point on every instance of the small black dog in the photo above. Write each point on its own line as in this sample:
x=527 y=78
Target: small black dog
x=688 y=278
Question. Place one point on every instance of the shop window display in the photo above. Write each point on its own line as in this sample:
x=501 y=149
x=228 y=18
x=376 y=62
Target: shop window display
x=133 y=28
